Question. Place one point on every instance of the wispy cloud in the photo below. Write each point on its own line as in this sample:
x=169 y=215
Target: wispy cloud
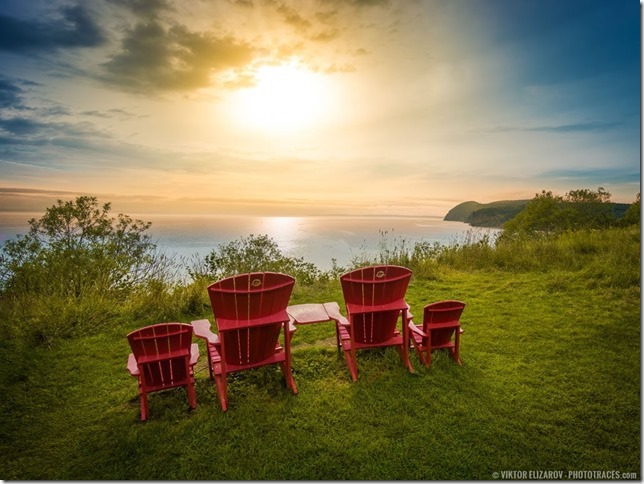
x=593 y=176
x=561 y=128
x=11 y=94
x=143 y=8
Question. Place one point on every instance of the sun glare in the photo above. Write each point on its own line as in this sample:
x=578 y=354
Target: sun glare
x=286 y=97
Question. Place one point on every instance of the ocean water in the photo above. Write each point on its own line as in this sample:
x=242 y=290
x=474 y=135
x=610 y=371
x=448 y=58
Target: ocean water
x=318 y=239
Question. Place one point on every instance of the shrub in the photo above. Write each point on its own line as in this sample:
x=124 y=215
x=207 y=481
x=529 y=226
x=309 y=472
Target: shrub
x=255 y=253
x=74 y=269
x=547 y=214
x=633 y=215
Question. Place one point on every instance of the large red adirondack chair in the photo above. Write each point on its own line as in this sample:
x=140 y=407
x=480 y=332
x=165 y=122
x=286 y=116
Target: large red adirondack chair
x=440 y=324
x=375 y=300
x=163 y=356
x=250 y=312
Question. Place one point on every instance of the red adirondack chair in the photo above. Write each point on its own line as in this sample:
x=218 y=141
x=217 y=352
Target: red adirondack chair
x=440 y=324
x=163 y=356
x=250 y=312
x=375 y=300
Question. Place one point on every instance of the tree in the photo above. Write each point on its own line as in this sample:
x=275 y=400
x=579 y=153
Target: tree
x=253 y=253
x=547 y=214
x=542 y=215
x=75 y=246
x=78 y=268
x=589 y=209
x=633 y=215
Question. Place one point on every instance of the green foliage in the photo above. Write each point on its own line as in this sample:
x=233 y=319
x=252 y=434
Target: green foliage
x=548 y=214
x=633 y=215
x=73 y=269
x=609 y=257
x=494 y=216
x=255 y=253
x=420 y=257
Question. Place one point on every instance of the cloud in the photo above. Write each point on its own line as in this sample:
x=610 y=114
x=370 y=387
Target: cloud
x=156 y=58
x=24 y=126
x=121 y=114
x=11 y=94
x=75 y=28
x=143 y=8
x=597 y=176
x=27 y=191
x=293 y=18
x=594 y=126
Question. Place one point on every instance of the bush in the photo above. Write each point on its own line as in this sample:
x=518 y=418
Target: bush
x=255 y=253
x=547 y=214
x=633 y=215
x=74 y=269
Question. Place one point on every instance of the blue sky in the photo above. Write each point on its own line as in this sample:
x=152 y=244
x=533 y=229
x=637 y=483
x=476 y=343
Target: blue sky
x=319 y=107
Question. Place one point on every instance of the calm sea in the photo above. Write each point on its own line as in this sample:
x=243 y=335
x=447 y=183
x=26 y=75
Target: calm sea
x=317 y=239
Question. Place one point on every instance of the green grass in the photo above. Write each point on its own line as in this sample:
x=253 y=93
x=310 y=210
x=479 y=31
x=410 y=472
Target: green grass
x=550 y=381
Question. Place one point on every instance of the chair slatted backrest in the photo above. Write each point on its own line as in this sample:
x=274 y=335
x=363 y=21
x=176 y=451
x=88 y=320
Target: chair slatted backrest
x=442 y=312
x=260 y=296
x=369 y=288
x=162 y=352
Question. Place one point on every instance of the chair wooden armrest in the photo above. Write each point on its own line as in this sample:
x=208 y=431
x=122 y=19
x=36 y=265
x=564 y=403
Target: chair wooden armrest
x=416 y=329
x=194 y=353
x=132 y=367
x=333 y=310
x=409 y=315
x=201 y=329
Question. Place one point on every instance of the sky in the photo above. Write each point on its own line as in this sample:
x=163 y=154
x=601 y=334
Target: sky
x=307 y=107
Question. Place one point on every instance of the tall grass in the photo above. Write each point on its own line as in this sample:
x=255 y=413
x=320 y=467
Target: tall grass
x=611 y=256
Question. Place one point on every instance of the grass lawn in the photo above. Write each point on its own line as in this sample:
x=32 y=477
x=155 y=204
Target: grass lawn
x=550 y=381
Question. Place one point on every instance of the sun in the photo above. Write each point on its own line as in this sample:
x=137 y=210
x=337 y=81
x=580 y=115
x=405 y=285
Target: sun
x=286 y=97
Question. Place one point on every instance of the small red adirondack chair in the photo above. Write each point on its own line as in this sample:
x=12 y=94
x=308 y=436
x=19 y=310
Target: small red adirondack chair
x=440 y=324
x=375 y=300
x=163 y=356
x=250 y=312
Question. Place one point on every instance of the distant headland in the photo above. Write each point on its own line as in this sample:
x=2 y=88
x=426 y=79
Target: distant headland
x=495 y=214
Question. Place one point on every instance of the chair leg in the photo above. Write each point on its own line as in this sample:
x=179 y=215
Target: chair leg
x=212 y=376
x=144 y=406
x=288 y=376
x=192 y=397
x=404 y=354
x=222 y=390
x=352 y=363
x=457 y=348
x=419 y=350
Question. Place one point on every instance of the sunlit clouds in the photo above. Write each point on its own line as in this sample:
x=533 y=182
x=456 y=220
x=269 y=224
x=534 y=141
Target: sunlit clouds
x=273 y=107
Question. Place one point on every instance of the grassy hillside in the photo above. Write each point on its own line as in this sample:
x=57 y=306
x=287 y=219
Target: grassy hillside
x=462 y=211
x=493 y=214
x=550 y=381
